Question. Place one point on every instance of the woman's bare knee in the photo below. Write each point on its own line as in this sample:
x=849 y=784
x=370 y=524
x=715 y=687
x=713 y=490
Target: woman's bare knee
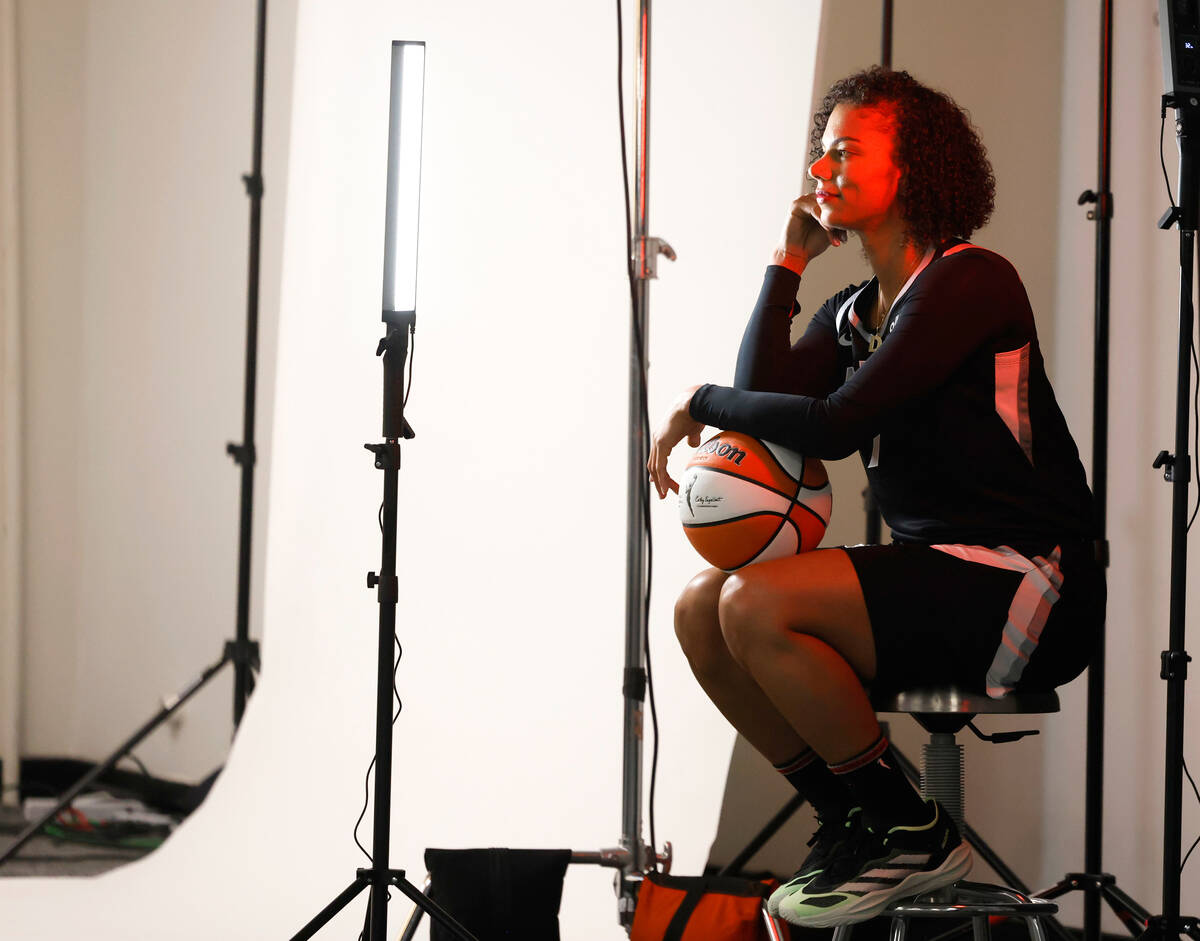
x=696 y=623
x=817 y=594
x=746 y=614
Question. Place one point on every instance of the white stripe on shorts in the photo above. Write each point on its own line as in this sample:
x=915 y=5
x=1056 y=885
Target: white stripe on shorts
x=1027 y=614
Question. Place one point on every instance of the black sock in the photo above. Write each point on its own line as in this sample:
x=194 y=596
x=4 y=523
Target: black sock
x=878 y=785
x=813 y=780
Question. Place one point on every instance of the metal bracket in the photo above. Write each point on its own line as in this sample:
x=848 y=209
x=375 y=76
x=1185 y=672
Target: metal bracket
x=1104 y=204
x=387 y=455
x=645 y=256
x=1088 y=881
x=253 y=183
x=1160 y=926
x=1001 y=737
x=241 y=453
x=1174 y=664
x=634 y=686
x=243 y=653
x=389 y=588
x=1172 y=467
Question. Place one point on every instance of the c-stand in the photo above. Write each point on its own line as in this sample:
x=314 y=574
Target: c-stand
x=1177 y=470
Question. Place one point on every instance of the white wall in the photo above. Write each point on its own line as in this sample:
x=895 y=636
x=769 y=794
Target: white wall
x=135 y=126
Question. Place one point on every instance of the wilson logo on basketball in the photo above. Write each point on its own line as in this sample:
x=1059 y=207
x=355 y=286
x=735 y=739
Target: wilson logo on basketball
x=719 y=448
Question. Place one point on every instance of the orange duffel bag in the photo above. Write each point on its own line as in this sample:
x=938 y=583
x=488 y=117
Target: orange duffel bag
x=700 y=908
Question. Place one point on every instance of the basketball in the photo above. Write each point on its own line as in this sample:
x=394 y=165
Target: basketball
x=743 y=500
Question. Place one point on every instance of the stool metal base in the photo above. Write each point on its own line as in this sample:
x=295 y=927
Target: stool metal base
x=977 y=901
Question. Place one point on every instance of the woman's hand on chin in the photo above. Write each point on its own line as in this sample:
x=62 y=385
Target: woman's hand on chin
x=677 y=426
x=804 y=236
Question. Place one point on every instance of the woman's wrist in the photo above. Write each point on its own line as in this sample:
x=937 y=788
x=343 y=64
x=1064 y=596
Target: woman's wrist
x=791 y=260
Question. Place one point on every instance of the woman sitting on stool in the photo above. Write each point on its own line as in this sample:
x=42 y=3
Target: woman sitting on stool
x=931 y=370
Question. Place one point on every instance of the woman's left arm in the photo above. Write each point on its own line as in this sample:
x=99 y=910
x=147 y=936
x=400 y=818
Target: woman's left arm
x=959 y=305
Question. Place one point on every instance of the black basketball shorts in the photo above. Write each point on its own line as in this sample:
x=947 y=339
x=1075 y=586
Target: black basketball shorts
x=986 y=618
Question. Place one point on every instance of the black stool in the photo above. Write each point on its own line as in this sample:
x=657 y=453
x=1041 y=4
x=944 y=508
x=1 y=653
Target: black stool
x=943 y=712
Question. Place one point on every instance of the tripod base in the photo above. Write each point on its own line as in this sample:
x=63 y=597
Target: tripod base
x=395 y=877
x=1139 y=922
x=1130 y=913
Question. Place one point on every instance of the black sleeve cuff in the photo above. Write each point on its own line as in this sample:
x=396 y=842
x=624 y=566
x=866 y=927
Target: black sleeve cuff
x=779 y=288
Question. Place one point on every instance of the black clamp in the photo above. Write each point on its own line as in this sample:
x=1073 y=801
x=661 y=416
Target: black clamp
x=1169 y=218
x=389 y=588
x=1173 y=469
x=242 y=453
x=634 y=686
x=387 y=455
x=1089 y=881
x=237 y=652
x=1174 y=664
x=254 y=184
x=1104 y=204
x=1160 y=926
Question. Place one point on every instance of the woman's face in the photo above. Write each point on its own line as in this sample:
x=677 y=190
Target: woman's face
x=857 y=180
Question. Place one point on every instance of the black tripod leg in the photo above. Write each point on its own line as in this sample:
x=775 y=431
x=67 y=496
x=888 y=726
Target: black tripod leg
x=1131 y=914
x=436 y=912
x=35 y=828
x=1057 y=890
x=331 y=909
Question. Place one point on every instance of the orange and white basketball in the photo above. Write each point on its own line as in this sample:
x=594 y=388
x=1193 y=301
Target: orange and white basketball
x=744 y=500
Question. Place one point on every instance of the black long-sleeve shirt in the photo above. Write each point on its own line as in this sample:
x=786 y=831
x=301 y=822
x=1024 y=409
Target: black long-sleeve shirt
x=949 y=406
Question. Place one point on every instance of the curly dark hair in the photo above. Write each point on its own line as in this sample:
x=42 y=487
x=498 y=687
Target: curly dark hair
x=947 y=189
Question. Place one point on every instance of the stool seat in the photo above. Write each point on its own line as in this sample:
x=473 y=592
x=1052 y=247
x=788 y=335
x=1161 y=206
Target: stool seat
x=961 y=700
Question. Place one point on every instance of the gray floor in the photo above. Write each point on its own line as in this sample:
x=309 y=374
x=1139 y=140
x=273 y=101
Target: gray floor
x=47 y=856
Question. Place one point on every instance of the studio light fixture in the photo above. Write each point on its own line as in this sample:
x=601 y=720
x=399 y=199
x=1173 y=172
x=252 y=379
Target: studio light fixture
x=403 y=180
x=400 y=315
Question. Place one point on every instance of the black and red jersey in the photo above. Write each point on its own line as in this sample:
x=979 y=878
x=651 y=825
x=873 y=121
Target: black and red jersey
x=948 y=403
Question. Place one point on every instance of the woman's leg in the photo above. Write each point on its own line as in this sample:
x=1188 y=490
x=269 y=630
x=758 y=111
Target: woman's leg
x=782 y=649
x=799 y=629
x=733 y=690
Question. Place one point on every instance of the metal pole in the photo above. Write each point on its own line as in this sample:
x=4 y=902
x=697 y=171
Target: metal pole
x=638 y=492
x=1174 y=660
x=885 y=52
x=1094 y=774
x=245 y=653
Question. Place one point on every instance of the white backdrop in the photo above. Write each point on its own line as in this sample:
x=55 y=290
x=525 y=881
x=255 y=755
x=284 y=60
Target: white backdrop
x=513 y=494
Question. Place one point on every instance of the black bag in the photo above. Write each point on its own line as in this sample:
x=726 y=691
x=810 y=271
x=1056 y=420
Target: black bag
x=498 y=893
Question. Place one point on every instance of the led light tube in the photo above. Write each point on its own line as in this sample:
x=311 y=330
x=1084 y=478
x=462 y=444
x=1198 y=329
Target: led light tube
x=403 y=180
